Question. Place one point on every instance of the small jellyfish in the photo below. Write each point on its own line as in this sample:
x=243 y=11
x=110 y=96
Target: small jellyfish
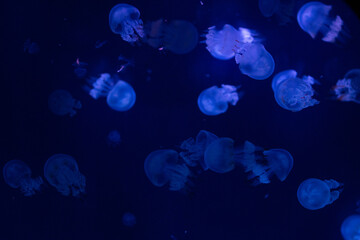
x=124 y=19
x=177 y=36
x=165 y=167
x=61 y=103
x=255 y=61
x=120 y=96
x=128 y=219
x=293 y=93
x=314 y=193
x=113 y=138
x=214 y=100
x=315 y=19
x=348 y=88
x=62 y=172
x=31 y=47
x=282 y=10
x=80 y=68
x=17 y=174
x=350 y=228
x=193 y=150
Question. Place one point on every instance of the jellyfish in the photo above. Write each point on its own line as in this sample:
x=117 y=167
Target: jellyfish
x=177 y=36
x=113 y=138
x=283 y=10
x=222 y=44
x=315 y=19
x=350 y=228
x=214 y=100
x=129 y=219
x=124 y=19
x=221 y=156
x=31 y=47
x=61 y=103
x=293 y=93
x=120 y=96
x=17 y=174
x=255 y=61
x=62 y=172
x=193 y=150
x=80 y=68
x=165 y=167
x=314 y=193
x=348 y=88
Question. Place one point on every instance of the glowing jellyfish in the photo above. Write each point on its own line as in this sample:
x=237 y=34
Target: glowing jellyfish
x=348 y=88
x=177 y=36
x=222 y=44
x=129 y=219
x=31 y=47
x=61 y=103
x=221 y=156
x=120 y=95
x=80 y=68
x=350 y=228
x=193 y=150
x=314 y=193
x=165 y=167
x=214 y=100
x=255 y=61
x=17 y=174
x=283 y=10
x=113 y=138
x=124 y=19
x=293 y=93
x=315 y=19
x=62 y=172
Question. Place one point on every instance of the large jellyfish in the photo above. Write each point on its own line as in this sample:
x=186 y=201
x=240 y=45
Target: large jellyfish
x=255 y=61
x=120 y=95
x=316 y=19
x=350 y=228
x=17 y=174
x=61 y=103
x=165 y=167
x=221 y=156
x=293 y=93
x=193 y=150
x=348 y=88
x=124 y=19
x=283 y=10
x=214 y=100
x=177 y=36
x=62 y=172
x=314 y=193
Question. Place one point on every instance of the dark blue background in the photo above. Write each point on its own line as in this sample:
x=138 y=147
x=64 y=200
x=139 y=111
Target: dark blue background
x=324 y=139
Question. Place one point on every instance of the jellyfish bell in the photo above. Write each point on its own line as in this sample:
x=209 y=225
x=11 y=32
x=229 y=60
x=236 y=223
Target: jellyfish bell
x=219 y=155
x=268 y=7
x=348 y=88
x=280 y=161
x=61 y=103
x=124 y=19
x=350 y=228
x=281 y=9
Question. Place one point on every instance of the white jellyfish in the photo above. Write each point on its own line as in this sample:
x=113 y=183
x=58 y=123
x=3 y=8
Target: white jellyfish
x=124 y=19
x=221 y=156
x=293 y=93
x=214 y=100
x=120 y=96
x=314 y=193
x=350 y=228
x=165 y=167
x=315 y=19
x=177 y=36
x=62 y=172
x=17 y=174
x=61 y=103
x=282 y=10
x=193 y=150
x=348 y=88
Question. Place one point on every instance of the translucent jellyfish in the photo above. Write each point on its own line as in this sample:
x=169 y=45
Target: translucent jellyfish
x=314 y=193
x=348 y=88
x=293 y=93
x=124 y=19
x=283 y=10
x=221 y=156
x=80 y=68
x=315 y=19
x=120 y=95
x=193 y=150
x=31 y=47
x=17 y=174
x=129 y=219
x=350 y=228
x=177 y=36
x=255 y=61
x=222 y=44
x=165 y=167
x=61 y=103
x=214 y=100
x=113 y=138
x=62 y=172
